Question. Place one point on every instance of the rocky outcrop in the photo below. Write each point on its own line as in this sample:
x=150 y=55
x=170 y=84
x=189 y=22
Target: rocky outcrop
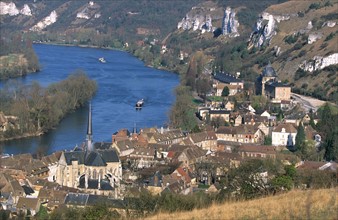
x=319 y=63
x=330 y=24
x=197 y=22
x=88 y=11
x=265 y=29
x=11 y=9
x=314 y=37
x=201 y=18
x=50 y=19
x=230 y=24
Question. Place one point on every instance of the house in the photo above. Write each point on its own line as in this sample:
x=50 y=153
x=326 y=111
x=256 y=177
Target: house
x=253 y=119
x=240 y=134
x=284 y=135
x=143 y=157
x=214 y=114
x=160 y=150
x=277 y=91
x=10 y=185
x=124 y=147
x=167 y=137
x=6 y=201
x=233 y=89
x=51 y=161
x=26 y=163
x=155 y=183
x=257 y=151
x=267 y=84
x=295 y=118
x=122 y=134
x=187 y=155
x=206 y=140
x=31 y=204
x=229 y=80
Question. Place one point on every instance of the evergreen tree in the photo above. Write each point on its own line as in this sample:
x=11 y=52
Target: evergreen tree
x=300 y=138
x=225 y=91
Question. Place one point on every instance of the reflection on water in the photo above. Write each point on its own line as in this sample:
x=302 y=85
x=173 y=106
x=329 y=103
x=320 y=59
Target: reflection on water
x=122 y=80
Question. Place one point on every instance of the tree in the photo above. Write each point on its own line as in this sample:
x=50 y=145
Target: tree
x=267 y=140
x=300 y=138
x=327 y=126
x=225 y=91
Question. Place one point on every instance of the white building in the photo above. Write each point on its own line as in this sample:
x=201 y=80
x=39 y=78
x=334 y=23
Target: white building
x=284 y=134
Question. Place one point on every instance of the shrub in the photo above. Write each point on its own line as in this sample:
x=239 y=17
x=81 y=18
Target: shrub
x=315 y=6
x=300 y=73
x=330 y=36
x=291 y=39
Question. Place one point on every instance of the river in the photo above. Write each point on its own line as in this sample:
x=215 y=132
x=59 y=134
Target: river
x=122 y=80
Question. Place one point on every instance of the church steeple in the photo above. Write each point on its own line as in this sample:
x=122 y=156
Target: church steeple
x=89 y=138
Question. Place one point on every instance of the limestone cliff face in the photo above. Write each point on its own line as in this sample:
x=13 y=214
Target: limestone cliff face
x=198 y=22
x=50 y=19
x=11 y=9
x=319 y=62
x=265 y=29
x=202 y=18
x=230 y=24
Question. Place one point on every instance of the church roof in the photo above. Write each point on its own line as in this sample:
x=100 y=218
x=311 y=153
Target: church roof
x=269 y=71
x=92 y=158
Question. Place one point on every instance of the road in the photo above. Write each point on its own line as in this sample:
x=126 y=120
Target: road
x=307 y=102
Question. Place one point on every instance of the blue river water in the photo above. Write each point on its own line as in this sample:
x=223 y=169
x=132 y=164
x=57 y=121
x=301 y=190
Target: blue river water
x=122 y=81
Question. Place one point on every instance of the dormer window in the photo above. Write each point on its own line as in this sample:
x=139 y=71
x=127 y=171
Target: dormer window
x=283 y=130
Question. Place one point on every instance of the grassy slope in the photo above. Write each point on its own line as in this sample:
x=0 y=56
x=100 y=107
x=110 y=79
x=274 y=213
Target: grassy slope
x=310 y=204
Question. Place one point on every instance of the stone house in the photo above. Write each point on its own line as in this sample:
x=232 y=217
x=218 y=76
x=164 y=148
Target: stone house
x=10 y=185
x=220 y=114
x=143 y=157
x=257 y=151
x=187 y=155
x=52 y=162
x=240 y=134
x=284 y=134
x=124 y=147
x=206 y=140
x=31 y=204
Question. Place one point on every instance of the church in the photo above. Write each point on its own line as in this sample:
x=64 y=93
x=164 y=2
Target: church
x=97 y=171
x=268 y=84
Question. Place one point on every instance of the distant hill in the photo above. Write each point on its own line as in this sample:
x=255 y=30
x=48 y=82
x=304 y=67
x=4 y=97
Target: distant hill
x=307 y=204
x=298 y=37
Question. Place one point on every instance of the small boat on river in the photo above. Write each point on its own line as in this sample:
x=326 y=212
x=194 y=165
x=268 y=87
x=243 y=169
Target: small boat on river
x=102 y=60
x=139 y=104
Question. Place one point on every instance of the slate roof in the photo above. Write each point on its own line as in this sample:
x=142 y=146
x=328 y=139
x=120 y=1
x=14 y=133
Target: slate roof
x=27 y=203
x=92 y=158
x=276 y=84
x=219 y=112
x=203 y=136
x=87 y=199
x=102 y=145
x=79 y=199
x=289 y=128
x=269 y=71
x=241 y=129
x=226 y=78
x=257 y=148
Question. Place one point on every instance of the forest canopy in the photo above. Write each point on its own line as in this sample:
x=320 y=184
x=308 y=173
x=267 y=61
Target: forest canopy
x=35 y=109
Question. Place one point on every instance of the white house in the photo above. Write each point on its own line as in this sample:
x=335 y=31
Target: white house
x=284 y=134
